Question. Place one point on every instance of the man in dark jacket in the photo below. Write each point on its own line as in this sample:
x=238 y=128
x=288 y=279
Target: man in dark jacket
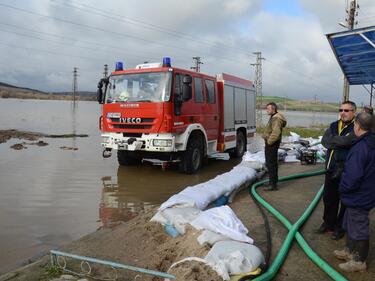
x=357 y=190
x=338 y=139
x=272 y=138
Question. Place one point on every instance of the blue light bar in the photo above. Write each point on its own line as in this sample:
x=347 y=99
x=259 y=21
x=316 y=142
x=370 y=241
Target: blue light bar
x=166 y=62
x=119 y=66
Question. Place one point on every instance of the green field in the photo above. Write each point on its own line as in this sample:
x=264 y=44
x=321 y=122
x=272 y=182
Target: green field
x=300 y=105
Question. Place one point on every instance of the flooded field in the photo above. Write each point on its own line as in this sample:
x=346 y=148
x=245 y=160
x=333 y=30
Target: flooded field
x=50 y=196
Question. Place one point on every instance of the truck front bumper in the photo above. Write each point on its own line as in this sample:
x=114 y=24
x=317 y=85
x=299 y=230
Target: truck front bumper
x=149 y=142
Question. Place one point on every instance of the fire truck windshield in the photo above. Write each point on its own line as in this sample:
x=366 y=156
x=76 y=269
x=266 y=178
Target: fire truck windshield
x=139 y=87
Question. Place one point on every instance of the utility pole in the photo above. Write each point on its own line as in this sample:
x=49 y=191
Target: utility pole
x=75 y=85
x=258 y=86
x=105 y=73
x=197 y=62
x=351 y=13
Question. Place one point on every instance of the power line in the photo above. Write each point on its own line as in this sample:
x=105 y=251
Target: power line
x=258 y=85
x=47 y=51
x=75 y=85
x=65 y=44
x=75 y=40
x=104 y=13
x=352 y=12
x=106 y=31
x=105 y=72
x=197 y=63
x=74 y=23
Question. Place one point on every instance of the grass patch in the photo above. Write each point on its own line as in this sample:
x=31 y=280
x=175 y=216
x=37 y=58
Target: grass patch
x=51 y=272
x=313 y=131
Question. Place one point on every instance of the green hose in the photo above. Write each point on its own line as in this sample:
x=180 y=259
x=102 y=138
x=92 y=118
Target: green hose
x=293 y=231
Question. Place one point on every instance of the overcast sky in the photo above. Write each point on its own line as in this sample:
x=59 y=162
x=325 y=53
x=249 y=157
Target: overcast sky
x=42 y=40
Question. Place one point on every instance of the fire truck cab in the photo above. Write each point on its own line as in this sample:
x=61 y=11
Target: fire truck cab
x=171 y=114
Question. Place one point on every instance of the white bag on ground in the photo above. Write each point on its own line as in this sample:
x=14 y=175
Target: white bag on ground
x=234 y=257
x=224 y=221
x=201 y=195
x=210 y=237
x=179 y=217
x=256 y=157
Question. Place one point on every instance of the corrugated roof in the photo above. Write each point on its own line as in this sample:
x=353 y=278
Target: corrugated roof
x=355 y=53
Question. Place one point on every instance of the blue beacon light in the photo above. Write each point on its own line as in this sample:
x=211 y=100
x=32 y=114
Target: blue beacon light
x=119 y=66
x=166 y=62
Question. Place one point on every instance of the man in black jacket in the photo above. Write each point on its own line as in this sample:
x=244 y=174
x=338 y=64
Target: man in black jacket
x=338 y=139
x=357 y=190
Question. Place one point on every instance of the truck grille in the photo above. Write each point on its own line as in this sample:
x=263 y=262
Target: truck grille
x=146 y=123
x=131 y=126
x=143 y=120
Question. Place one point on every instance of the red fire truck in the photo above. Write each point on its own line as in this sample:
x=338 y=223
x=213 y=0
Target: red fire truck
x=157 y=111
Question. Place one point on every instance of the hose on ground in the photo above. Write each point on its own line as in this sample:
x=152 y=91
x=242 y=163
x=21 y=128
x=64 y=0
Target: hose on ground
x=293 y=232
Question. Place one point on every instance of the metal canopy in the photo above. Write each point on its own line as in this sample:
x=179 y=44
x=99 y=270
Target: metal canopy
x=355 y=53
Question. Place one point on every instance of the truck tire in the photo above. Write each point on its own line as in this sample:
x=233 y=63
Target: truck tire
x=191 y=160
x=240 y=145
x=126 y=158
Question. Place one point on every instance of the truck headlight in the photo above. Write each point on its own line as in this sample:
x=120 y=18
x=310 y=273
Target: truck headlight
x=105 y=139
x=164 y=143
x=113 y=114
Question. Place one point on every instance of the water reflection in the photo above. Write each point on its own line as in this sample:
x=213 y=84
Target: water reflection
x=139 y=188
x=114 y=207
x=136 y=189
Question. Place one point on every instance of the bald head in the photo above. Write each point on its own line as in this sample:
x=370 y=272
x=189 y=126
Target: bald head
x=363 y=123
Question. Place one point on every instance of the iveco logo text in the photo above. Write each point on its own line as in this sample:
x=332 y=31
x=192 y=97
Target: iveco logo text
x=130 y=120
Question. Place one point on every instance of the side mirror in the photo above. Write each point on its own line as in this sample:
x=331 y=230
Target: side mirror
x=100 y=93
x=186 y=88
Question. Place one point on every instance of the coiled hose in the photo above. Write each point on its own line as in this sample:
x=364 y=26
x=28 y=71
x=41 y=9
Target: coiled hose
x=293 y=233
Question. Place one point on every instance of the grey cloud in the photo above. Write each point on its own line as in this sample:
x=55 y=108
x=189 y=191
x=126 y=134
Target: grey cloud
x=299 y=62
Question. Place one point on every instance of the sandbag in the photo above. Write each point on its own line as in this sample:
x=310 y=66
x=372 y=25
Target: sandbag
x=210 y=237
x=222 y=220
x=232 y=257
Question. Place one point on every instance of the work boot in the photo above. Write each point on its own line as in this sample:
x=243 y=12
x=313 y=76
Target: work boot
x=362 y=247
x=338 y=234
x=360 y=253
x=324 y=228
x=353 y=266
x=344 y=254
x=347 y=253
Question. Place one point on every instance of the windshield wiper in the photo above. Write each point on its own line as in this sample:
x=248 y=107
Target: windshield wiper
x=140 y=101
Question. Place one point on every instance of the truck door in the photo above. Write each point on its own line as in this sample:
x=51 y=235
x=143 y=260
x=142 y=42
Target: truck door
x=202 y=107
x=211 y=110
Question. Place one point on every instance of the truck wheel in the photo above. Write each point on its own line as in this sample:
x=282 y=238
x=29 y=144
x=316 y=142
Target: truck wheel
x=240 y=146
x=191 y=160
x=126 y=158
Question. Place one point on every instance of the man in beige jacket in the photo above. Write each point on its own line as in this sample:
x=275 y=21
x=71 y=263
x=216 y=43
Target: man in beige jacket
x=272 y=137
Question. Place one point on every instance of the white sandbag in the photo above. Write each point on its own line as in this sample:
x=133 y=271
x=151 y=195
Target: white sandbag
x=256 y=157
x=177 y=199
x=224 y=221
x=158 y=217
x=210 y=237
x=179 y=217
x=234 y=257
x=201 y=195
x=257 y=166
x=294 y=137
x=291 y=159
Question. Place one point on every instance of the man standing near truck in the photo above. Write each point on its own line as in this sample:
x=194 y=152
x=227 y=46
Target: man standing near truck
x=338 y=139
x=272 y=137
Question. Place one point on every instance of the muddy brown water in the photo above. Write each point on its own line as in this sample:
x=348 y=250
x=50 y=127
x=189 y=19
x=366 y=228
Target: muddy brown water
x=51 y=196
